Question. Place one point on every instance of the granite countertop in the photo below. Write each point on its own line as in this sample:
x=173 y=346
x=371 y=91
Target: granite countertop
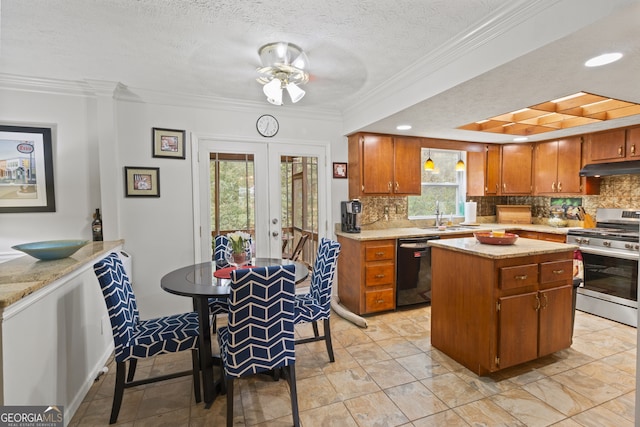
x=24 y=275
x=405 y=232
x=522 y=247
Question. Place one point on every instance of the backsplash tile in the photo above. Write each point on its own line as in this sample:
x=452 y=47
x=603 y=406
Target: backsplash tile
x=620 y=191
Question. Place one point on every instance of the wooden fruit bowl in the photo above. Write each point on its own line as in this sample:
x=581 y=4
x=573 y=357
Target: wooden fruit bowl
x=490 y=239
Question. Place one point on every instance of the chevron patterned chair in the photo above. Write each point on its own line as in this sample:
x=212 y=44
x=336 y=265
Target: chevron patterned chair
x=259 y=336
x=316 y=305
x=221 y=250
x=138 y=339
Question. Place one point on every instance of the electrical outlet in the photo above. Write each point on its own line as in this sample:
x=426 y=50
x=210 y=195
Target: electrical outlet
x=386 y=210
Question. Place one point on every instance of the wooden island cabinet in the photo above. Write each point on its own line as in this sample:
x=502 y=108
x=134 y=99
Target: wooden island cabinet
x=493 y=307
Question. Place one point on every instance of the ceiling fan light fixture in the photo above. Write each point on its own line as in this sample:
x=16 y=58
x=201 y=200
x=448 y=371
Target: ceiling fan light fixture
x=295 y=92
x=283 y=67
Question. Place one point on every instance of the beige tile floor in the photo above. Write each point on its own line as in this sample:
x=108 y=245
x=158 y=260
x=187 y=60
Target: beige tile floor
x=389 y=375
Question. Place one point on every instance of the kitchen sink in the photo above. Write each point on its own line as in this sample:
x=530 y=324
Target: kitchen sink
x=450 y=228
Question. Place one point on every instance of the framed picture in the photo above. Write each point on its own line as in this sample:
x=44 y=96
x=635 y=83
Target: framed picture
x=339 y=170
x=141 y=182
x=168 y=143
x=26 y=170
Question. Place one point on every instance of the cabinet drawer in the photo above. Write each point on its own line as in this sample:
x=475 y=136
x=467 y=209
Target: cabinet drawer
x=379 y=274
x=379 y=252
x=518 y=276
x=379 y=300
x=556 y=271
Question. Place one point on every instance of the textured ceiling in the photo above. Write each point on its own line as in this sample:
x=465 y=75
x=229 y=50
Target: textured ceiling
x=362 y=54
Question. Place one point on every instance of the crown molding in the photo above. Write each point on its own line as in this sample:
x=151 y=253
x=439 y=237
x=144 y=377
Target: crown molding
x=44 y=85
x=121 y=92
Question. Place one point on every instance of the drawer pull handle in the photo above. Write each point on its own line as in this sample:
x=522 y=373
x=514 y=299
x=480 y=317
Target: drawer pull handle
x=558 y=271
x=379 y=253
x=379 y=276
x=380 y=301
x=521 y=277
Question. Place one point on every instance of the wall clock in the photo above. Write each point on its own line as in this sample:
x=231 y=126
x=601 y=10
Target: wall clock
x=267 y=125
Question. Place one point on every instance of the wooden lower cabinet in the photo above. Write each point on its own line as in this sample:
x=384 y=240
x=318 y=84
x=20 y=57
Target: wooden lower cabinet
x=490 y=314
x=367 y=275
x=539 y=235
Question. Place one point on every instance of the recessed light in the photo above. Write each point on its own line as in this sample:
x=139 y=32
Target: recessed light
x=403 y=127
x=520 y=139
x=604 y=59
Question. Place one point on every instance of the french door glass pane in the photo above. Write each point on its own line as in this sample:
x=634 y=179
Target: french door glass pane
x=232 y=178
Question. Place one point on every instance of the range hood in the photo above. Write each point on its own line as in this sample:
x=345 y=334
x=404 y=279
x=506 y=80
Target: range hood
x=614 y=168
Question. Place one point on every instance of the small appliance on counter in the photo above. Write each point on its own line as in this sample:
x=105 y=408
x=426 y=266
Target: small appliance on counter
x=351 y=211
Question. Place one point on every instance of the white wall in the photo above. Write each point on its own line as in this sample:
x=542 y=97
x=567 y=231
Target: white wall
x=75 y=160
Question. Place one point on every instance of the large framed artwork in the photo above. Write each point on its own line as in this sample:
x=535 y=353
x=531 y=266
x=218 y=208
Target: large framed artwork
x=26 y=170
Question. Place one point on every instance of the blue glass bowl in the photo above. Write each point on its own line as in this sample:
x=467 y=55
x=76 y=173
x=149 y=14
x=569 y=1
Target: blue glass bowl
x=51 y=249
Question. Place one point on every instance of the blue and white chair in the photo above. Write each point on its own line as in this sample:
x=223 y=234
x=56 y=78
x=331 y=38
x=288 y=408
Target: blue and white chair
x=221 y=250
x=259 y=336
x=316 y=305
x=139 y=339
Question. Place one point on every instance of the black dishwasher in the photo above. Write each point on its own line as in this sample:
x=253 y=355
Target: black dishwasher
x=413 y=271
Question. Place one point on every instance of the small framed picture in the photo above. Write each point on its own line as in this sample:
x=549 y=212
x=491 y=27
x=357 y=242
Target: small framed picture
x=339 y=170
x=168 y=143
x=141 y=182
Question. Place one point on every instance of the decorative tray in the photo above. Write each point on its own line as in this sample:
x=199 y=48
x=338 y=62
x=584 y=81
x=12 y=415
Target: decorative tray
x=491 y=239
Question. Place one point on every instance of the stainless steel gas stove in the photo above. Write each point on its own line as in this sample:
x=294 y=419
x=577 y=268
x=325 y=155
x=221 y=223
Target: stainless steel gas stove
x=610 y=254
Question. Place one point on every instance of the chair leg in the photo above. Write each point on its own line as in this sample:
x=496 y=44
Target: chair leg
x=121 y=369
x=327 y=339
x=229 y=385
x=195 y=366
x=290 y=374
x=132 y=369
x=316 y=333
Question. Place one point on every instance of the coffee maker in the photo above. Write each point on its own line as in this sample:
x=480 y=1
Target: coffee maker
x=351 y=211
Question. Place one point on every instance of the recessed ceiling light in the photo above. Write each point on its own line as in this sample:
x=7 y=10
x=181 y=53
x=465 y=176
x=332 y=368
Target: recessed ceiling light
x=604 y=59
x=520 y=139
x=403 y=127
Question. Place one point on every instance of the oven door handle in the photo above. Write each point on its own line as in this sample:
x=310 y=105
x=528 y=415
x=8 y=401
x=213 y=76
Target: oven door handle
x=609 y=253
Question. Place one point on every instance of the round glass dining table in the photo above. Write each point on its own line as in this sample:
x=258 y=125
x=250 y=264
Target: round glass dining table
x=197 y=281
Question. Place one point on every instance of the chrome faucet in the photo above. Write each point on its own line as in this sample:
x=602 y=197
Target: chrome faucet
x=438 y=214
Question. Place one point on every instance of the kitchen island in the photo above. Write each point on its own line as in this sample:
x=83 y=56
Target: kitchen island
x=496 y=306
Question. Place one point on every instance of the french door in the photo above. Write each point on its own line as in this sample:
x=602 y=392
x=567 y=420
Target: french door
x=283 y=184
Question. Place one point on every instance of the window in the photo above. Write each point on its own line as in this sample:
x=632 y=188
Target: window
x=444 y=185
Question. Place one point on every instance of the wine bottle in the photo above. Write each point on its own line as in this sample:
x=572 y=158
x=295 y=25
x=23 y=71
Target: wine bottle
x=96 y=226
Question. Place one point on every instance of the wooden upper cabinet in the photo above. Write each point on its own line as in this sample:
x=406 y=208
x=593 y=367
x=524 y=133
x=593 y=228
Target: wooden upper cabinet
x=607 y=147
x=407 y=169
x=483 y=171
x=516 y=169
x=377 y=164
x=557 y=166
x=633 y=143
x=380 y=164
